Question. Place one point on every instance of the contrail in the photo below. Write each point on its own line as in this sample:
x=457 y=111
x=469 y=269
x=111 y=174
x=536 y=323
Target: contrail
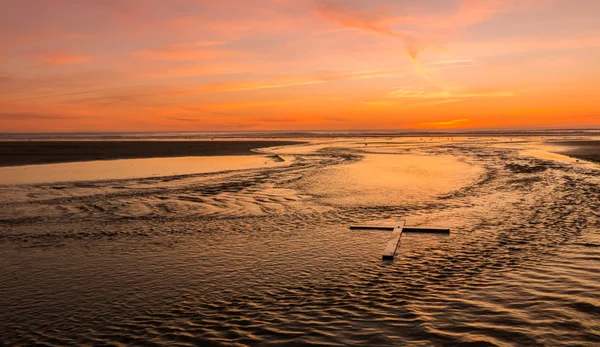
x=357 y=19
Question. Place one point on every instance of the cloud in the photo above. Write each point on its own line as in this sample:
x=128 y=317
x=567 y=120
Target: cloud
x=422 y=93
x=255 y=85
x=186 y=51
x=444 y=123
x=374 y=21
x=524 y=45
x=289 y=81
x=246 y=122
x=454 y=64
x=209 y=43
x=422 y=23
x=67 y=94
x=236 y=105
x=381 y=103
x=435 y=102
x=469 y=12
x=221 y=123
x=206 y=69
x=419 y=97
x=18 y=116
x=56 y=60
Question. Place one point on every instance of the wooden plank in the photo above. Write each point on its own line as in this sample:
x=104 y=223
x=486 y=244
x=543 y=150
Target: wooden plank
x=371 y=227
x=390 y=249
x=426 y=230
x=406 y=229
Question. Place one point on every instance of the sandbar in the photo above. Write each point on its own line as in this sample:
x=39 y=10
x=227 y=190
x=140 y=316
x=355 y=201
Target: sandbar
x=587 y=150
x=14 y=153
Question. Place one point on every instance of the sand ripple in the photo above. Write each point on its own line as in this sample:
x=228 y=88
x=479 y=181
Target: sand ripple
x=251 y=258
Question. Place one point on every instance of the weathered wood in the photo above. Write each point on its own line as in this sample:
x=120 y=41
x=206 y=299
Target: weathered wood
x=372 y=227
x=389 y=252
x=406 y=229
x=390 y=249
x=426 y=230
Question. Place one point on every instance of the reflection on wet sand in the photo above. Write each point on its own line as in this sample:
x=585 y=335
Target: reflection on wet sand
x=129 y=168
x=386 y=179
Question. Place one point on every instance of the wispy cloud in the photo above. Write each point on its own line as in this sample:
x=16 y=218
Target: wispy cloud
x=186 y=51
x=24 y=116
x=195 y=70
x=449 y=123
x=416 y=26
x=56 y=60
x=422 y=93
x=375 y=21
x=289 y=81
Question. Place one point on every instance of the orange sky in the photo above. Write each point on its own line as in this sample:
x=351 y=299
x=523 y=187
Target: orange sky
x=160 y=65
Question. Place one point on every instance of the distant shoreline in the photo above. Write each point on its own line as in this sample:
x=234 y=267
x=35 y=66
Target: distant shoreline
x=16 y=153
x=586 y=149
x=278 y=135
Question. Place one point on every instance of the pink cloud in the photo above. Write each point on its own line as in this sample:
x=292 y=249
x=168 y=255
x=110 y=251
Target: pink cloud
x=65 y=59
x=375 y=21
x=186 y=51
x=417 y=25
x=107 y=55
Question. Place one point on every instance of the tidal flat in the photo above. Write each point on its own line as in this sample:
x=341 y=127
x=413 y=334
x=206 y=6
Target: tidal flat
x=262 y=254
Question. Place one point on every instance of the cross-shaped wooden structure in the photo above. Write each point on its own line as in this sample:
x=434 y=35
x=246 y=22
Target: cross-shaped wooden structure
x=390 y=249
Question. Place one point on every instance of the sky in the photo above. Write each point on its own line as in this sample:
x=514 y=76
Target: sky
x=248 y=65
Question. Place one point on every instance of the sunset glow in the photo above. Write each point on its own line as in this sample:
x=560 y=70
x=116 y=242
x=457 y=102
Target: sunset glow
x=148 y=65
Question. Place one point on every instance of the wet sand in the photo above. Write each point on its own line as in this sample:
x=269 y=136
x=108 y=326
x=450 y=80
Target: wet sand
x=45 y=152
x=586 y=150
x=265 y=257
x=124 y=169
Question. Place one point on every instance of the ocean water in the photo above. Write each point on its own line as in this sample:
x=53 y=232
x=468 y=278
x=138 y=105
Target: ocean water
x=264 y=255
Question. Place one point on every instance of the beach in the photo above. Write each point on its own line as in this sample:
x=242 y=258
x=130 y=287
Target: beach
x=264 y=255
x=586 y=150
x=278 y=173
